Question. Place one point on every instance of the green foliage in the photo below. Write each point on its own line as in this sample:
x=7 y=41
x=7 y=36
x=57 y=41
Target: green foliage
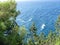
x=22 y=32
x=57 y=25
x=12 y=34
x=8 y=27
x=33 y=28
x=2 y=26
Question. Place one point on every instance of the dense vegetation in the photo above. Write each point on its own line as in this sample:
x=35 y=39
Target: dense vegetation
x=12 y=34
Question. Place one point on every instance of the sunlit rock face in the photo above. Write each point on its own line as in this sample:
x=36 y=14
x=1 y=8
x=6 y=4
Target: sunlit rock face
x=44 y=14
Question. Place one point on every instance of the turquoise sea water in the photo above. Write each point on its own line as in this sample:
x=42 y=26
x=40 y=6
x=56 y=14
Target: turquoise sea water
x=44 y=14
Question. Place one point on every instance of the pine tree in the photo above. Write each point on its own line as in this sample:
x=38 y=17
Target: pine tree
x=57 y=25
x=34 y=35
x=8 y=26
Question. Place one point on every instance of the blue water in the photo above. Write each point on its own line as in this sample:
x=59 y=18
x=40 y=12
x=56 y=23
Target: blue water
x=44 y=14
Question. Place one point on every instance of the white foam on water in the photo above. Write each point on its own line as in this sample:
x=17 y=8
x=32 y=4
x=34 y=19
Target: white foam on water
x=23 y=21
x=43 y=26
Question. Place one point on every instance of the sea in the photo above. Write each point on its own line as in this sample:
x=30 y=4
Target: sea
x=43 y=14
